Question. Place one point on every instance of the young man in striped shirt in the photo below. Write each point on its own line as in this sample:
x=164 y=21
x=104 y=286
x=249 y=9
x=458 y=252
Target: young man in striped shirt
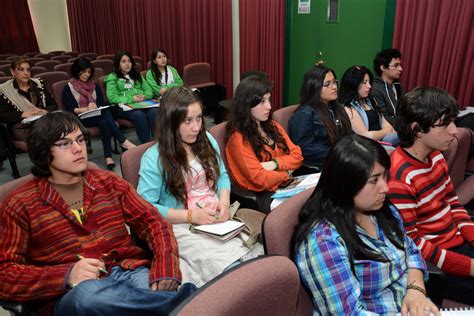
x=67 y=226
x=422 y=190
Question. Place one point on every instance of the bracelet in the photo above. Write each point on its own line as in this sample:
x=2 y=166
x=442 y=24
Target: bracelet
x=189 y=216
x=276 y=162
x=411 y=286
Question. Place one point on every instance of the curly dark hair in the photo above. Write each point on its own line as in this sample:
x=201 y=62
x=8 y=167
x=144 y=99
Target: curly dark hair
x=172 y=113
x=248 y=94
x=424 y=107
x=46 y=131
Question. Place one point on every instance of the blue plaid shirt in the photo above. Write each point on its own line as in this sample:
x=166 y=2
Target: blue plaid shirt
x=377 y=287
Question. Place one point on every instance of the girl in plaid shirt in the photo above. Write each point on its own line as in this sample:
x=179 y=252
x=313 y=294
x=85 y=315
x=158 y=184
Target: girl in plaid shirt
x=350 y=246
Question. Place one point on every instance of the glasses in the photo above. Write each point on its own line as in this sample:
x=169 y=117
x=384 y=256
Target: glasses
x=327 y=84
x=395 y=66
x=67 y=143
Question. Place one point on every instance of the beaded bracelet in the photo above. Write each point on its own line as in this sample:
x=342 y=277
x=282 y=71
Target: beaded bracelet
x=189 y=216
x=416 y=288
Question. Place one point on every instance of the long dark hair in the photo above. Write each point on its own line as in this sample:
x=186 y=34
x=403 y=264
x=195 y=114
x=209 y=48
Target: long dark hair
x=337 y=123
x=134 y=74
x=81 y=64
x=172 y=112
x=346 y=170
x=350 y=82
x=248 y=94
x=154 y=67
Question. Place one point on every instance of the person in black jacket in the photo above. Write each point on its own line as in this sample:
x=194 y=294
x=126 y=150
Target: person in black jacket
x=82 y=94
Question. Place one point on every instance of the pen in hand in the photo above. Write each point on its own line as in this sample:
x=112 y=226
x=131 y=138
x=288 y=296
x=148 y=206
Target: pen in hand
x=79 y=257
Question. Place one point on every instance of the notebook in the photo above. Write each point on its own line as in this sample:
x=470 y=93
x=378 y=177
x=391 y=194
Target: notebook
x=145 y=104
x=222 y=231
x=92 y=113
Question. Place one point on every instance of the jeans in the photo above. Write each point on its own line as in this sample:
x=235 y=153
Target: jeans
x=108 y=128
x=122 y=292
x=143 y=120
x=391 y=138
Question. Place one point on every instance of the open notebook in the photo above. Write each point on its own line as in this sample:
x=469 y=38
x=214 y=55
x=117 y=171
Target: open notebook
x=222 y=231
x=145 y=104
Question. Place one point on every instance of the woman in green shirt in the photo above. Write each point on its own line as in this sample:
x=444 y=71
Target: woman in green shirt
x=162 y=76
x=126 y=85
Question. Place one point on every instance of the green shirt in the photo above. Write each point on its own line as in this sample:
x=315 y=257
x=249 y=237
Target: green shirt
x=119 y=91
x=156 y=86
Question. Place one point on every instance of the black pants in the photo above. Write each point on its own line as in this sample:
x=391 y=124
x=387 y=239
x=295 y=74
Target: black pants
x=461 y=289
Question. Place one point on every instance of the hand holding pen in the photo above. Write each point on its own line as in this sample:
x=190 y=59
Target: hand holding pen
x=85 y=269
x=205 y=215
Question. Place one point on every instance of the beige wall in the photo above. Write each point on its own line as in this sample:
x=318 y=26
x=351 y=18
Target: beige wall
x=51 y=24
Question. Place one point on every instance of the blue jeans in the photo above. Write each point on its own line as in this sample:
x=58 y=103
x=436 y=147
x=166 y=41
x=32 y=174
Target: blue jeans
x=108 y=128
x=122 y=292
x=143 y=120
x=391 y=138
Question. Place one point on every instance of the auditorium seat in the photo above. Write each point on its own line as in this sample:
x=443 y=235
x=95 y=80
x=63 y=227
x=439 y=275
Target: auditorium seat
x=57 y=52
x=6 y=69
x=91 y=56
x=198 y=75
x=48 y=64
x=5 y=79
x=106 y=65
x=106 y=56
x=62 y=58
x=72 y=53
x=37 y=70
x=34 y=60
x=32 y=54
x=51 y=77
x=283 y=115
x=45 y=56
x=66 y=67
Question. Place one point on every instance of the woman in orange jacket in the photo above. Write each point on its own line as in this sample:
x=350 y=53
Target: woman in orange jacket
x=259 y=153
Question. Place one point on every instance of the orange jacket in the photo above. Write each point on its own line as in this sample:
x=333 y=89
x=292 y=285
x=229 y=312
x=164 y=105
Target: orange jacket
x=246 y=170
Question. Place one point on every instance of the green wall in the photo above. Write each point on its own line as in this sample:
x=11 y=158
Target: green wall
x=364 y=28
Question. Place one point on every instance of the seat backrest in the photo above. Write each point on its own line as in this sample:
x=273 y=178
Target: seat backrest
x=219 y=133
x=34 y=60
x=138 y=67
x=283 y=115
x=58 y=88
x=91 y=56
x=263 y=286
x=130 y=163
x=45 y=56
x=72 y=53
x=277 y=230
x=48 y=64
x=32 y=54
x=2 y=74
x=138 y=59
x=71 y=60
x=37 y=70
x=106 y=64
x=106 y=56
x=57 y=52
x=5 y=79
x=98 y=72
x=62 y=58
x=197 y=74
x=51 y=77
x=101 y=82
x=6 y=69
x=5 y=62
x=5 y=56
x=66 y=67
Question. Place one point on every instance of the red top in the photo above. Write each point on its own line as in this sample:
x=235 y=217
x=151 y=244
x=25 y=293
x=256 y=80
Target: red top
x=432 y=214
x=246 y=170
x=41 y=237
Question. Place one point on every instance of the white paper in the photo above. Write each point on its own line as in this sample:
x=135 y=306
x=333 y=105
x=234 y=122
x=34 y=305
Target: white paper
x=220 y=229
x=92 y=113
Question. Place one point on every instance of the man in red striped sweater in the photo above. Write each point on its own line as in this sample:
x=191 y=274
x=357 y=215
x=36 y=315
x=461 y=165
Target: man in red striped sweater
x=68 y=226
x=422 y=190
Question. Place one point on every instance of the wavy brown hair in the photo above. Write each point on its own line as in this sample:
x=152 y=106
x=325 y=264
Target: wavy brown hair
x=172 y=113
x=248 y=94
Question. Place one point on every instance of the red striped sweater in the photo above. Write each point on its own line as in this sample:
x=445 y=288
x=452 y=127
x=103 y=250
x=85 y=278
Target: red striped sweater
x=432 y=214
x=40 y=237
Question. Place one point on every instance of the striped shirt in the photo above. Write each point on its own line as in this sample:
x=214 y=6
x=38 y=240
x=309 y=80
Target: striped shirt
x=432 y=214
x=376 y=287
x=41 y=237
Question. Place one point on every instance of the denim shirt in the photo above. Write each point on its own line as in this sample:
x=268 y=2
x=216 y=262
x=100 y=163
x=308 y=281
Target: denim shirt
x=307 y=130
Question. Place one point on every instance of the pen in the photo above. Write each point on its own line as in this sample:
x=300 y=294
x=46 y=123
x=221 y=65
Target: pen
x=217 y=212
x=79 y=257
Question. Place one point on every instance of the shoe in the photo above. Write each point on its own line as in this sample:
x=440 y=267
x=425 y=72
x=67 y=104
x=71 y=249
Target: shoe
x=111 y=166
